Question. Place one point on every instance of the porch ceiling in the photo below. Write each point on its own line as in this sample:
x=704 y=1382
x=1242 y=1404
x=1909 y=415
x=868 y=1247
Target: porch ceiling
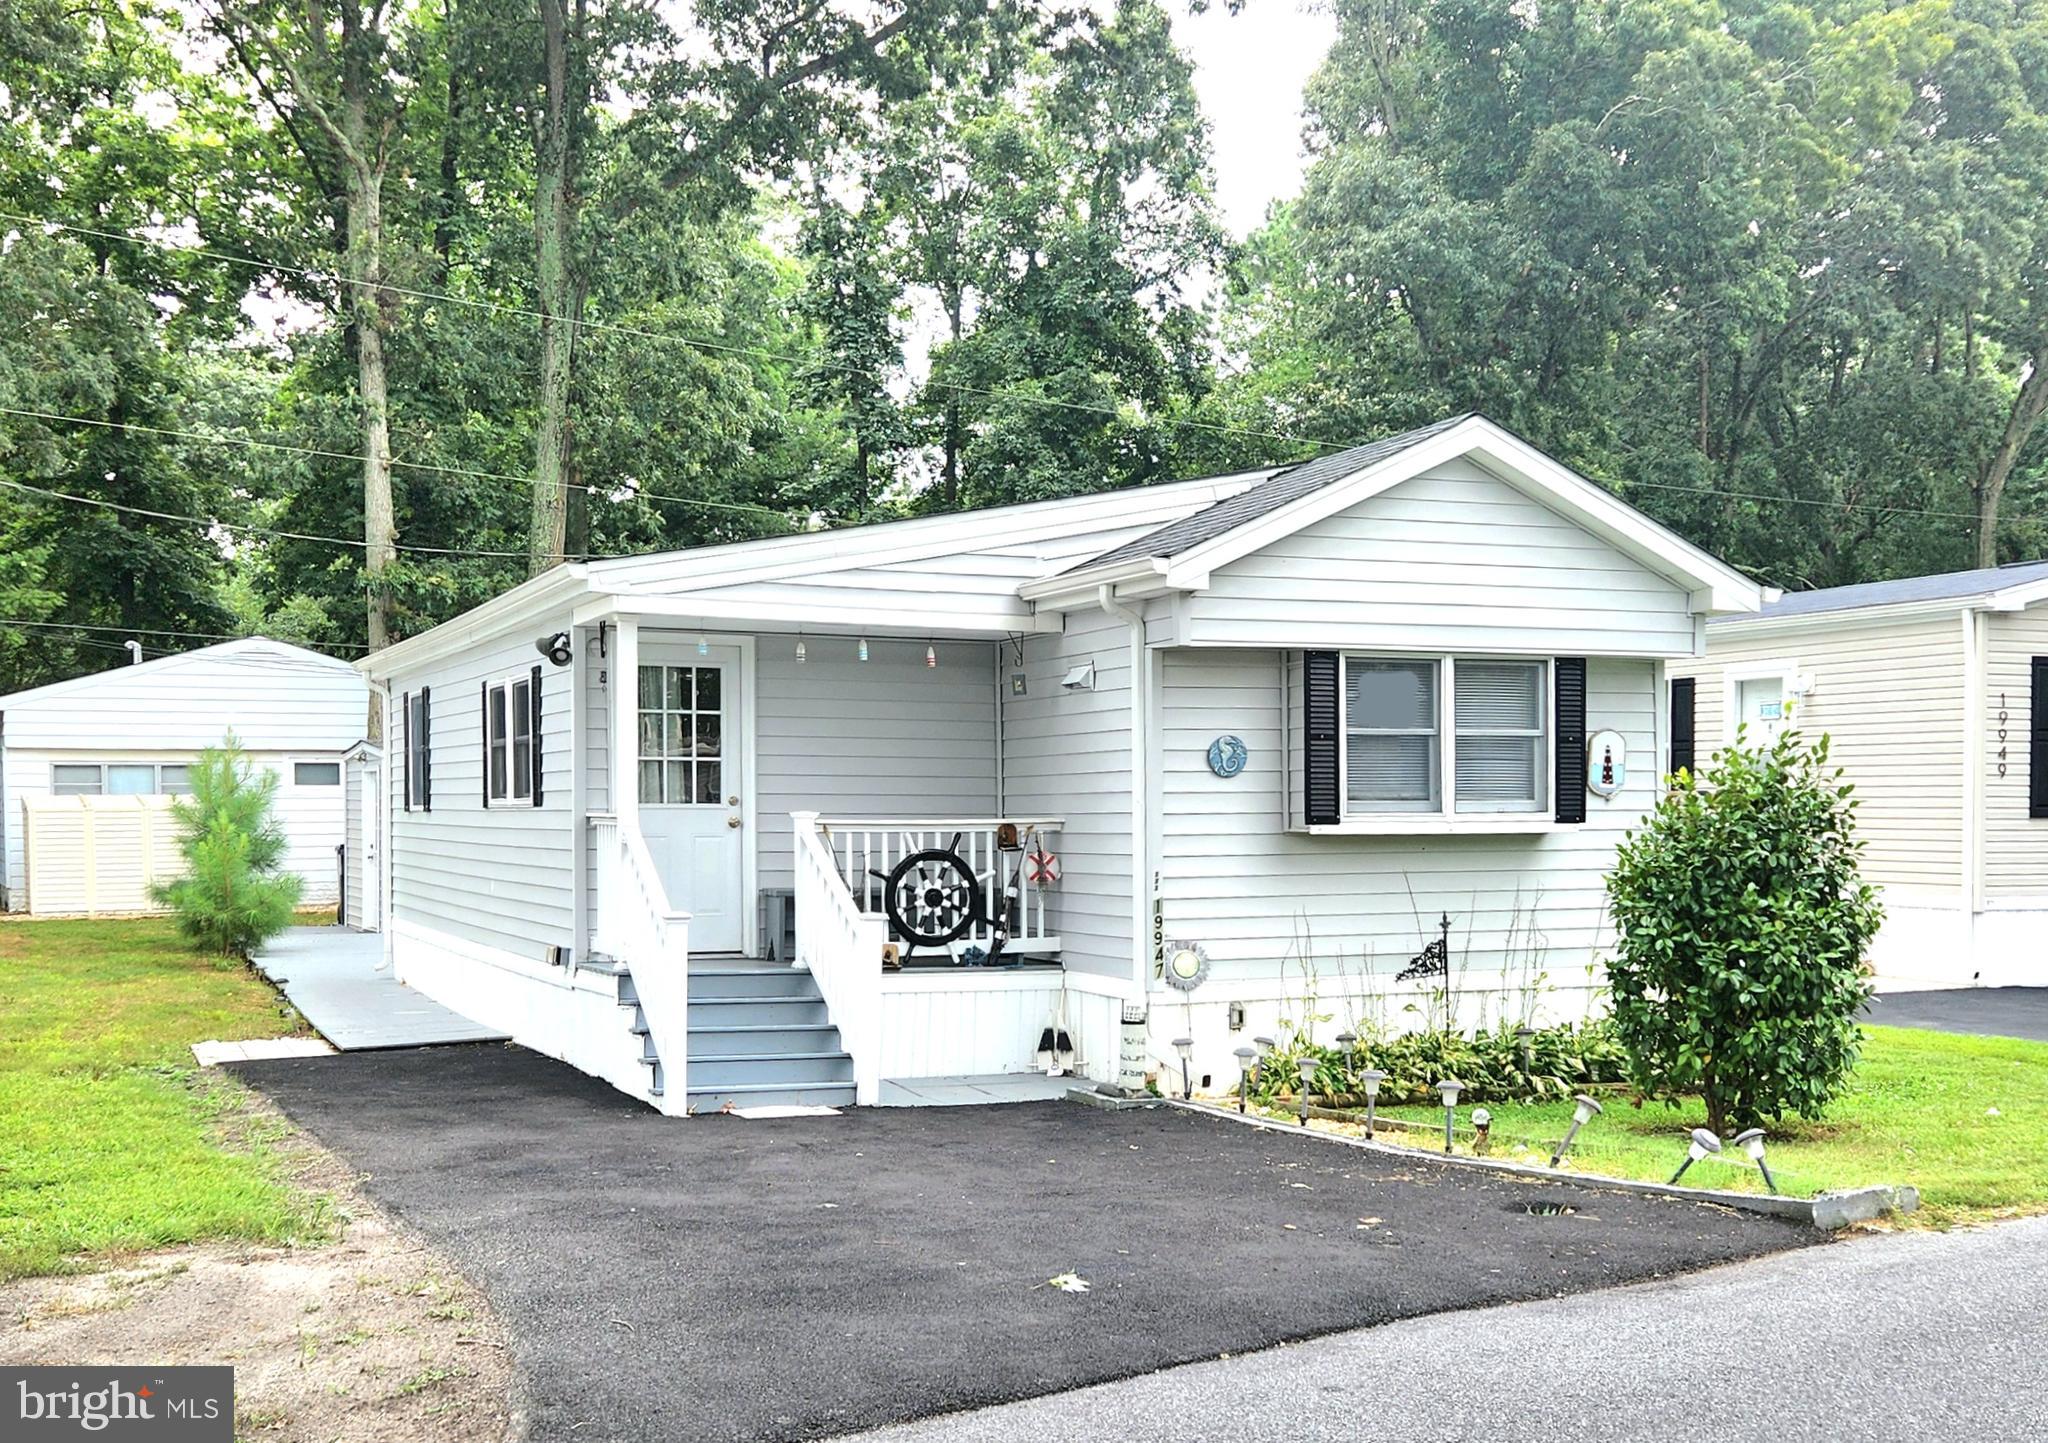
x=941 y=617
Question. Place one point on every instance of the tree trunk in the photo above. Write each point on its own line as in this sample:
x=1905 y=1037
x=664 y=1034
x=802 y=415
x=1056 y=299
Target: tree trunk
x=554 y=228
x=2027 y=409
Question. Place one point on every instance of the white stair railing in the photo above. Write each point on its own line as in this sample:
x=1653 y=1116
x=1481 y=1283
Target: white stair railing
x=865 y=849
x=636 y=925
x=842 y=947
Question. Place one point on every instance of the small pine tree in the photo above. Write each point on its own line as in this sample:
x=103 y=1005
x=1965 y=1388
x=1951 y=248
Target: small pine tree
x=233 y=898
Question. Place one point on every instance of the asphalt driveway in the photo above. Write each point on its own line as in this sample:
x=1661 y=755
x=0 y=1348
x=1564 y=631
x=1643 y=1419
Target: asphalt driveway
x=717 y=1279
x=1984 y=1011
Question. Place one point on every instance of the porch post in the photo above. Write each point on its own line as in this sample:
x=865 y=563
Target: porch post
x=625 y=748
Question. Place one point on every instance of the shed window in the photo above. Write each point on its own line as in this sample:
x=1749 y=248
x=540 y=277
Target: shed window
x=174 y=781
x=508 y=739
x=316 y=774
x=120 y=779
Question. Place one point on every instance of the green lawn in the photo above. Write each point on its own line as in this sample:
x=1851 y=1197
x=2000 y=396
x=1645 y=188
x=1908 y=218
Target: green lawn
x=1918 y=1111
x=113 y=1139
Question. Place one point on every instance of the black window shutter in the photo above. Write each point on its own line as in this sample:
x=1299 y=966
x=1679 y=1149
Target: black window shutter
x=534 y=748
x=426 y=749
x=1684 y=699
x=483 y=722
x=405 y=749
x=1321 y=703
x=1571 y=738
x=2037 y=749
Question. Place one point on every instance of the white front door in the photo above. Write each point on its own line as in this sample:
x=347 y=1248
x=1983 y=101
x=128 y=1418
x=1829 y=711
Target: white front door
x=691 y=807
x=373 y=848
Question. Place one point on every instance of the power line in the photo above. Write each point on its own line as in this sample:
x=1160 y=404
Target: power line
x=149 y=631
x=216 y=439
x=700 y=342
x=253 y=530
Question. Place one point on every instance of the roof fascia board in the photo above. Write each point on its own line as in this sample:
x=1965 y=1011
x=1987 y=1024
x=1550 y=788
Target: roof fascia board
x=2018 y=597
x=713 y=611
x=158 y=665
x=857 y=545
x=1885 y=615
x=531 y=598
x=1076 y=590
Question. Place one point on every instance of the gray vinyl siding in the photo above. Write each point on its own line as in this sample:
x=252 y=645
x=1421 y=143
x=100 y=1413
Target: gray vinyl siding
x=1890 y=698
x=1455 y=560
x=500 y=877
x=1068 y=755
x=2015 y=845
x=1258 y=896
x=888 y=737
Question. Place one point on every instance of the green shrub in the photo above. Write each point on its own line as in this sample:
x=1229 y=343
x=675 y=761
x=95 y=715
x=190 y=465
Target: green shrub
x=1738 y=973
x=1562 y=1060
x=233 y=898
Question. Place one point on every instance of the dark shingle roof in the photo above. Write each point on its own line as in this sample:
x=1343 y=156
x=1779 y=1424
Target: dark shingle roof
x=1948 y=586
x=1289 y=485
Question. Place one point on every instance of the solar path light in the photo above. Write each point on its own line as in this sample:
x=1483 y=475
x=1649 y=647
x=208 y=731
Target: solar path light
x=1370 y=1080
x=1450 y=1087
x=1585 y=1112
x=1185 y=1046
x=1482 y=1124
x=1245 y=1057
x=1752 y=1142
x=1265 y=1046
x=1305 y=1066
x=1348 y=1041
x=1703 y=1143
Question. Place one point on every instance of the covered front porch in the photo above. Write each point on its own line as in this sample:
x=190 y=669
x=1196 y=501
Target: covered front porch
x=840 y=808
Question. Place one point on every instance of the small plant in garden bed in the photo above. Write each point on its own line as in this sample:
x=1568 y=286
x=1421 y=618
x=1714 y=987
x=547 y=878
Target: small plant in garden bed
x=1561 y=1060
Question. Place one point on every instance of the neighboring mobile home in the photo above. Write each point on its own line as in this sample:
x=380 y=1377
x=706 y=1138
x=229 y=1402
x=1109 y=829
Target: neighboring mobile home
x=88 y=767
x=1933 y=692
x=1256 y=736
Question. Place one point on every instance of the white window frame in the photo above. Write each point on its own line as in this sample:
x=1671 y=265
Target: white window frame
x=1447 y=815
x=156 y=779
x=418 y=758
x=340 y=778
x=515 y=787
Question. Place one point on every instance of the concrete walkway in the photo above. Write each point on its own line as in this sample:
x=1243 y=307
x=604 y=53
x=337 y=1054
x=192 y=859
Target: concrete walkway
x=1906 y=1337
x=330 y=974
x=1984 y=1011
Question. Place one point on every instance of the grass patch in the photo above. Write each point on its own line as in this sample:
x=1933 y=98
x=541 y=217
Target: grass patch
x=115 y=1140
x=1918 y=1111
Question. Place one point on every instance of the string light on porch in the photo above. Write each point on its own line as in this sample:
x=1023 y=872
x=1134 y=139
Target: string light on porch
x=802 y=652
x=863 y=648
x=703 y=646
x=931 y=655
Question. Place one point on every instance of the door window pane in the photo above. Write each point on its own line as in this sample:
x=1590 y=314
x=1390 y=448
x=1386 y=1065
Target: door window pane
x=650 y=781
x=650 y=688
x=1391 y=747
x=75 y=781
x=707 y=734
x=707 y=783
x=129 y=780
x=707 y=688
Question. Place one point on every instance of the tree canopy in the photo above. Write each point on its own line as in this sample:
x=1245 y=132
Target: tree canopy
x=332 y=320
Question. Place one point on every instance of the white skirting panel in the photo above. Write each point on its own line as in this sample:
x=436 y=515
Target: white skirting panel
x=577 y=1020
x=965 y=1024
x=2012 y=945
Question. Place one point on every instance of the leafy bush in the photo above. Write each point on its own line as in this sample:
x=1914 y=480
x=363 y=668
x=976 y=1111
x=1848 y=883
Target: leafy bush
x=233 y=898
x=1563 y=1060
x=1743 y=924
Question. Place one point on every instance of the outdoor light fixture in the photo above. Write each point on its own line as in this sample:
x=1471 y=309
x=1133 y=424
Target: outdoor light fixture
x=1752 y=1142
x=1703 y=1142
x=1450 y=1087
x=1482 y=1120
x=1584 y=1113
x=1525 y=1045
x=1305 y=1065
x=863 y=648
x=1265 y=1046
x=1245 y=1056
x=1370 y=1080
x=555 y=647
x=1185 y=1046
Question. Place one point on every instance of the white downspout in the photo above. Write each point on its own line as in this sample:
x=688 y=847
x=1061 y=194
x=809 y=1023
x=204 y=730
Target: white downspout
x=382 y=692
x=1974 y=688
x=1141 y=722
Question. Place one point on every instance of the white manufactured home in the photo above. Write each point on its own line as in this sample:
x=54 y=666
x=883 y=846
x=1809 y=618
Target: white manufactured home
x=784 y=820
x=88 y=767
x=1933 y=692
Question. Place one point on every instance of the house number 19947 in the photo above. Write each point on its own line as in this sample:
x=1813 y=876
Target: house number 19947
x=2004 y=716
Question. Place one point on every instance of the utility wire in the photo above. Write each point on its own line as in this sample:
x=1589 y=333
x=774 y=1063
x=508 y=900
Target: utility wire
x=141 y=631
x=216 y=439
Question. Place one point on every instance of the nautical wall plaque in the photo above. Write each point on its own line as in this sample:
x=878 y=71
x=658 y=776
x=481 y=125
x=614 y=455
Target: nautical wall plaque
x=1227 y=756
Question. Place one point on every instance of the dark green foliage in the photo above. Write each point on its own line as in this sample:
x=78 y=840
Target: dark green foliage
x=1562 y=1060
x=232 y=898
x=1738 y=972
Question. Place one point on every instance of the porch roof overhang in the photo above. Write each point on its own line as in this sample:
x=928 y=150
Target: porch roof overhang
x=961 y=616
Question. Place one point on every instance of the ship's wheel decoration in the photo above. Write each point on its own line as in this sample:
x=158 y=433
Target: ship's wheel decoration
x=1041 y=868
x=932 y=897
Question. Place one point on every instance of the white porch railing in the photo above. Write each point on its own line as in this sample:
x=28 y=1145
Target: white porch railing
x=841 y=945
x=864 y=850
x=636 y=925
